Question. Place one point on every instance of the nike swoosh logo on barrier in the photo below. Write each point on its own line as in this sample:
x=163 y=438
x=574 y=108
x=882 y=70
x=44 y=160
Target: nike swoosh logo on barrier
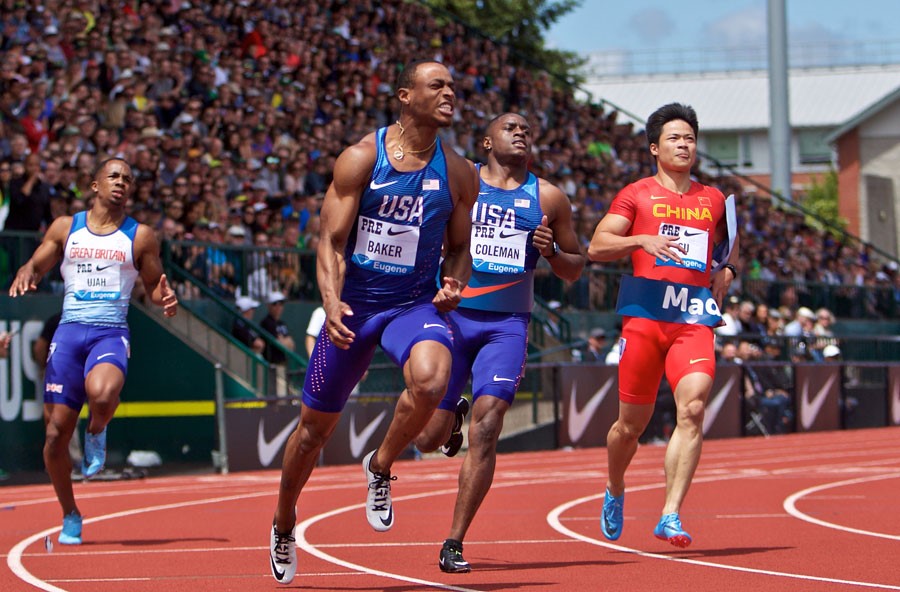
x=498 y=379
x=358 y=440
x=376 y=186
x=579 y=419
x=895 y=401
x=714 y=406
x=279 y=575
x=268 y=450
x=470 y=292
x=809 y=410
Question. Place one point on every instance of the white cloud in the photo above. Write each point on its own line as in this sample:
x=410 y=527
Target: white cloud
x=651 y=25
x=745 y=27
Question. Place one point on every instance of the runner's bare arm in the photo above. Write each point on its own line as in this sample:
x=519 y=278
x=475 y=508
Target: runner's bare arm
x=352 y=172
x=48 y=254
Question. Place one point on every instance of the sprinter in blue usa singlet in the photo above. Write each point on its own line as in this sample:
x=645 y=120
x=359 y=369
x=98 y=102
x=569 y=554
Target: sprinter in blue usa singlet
x=517 y=219
x=395 y=216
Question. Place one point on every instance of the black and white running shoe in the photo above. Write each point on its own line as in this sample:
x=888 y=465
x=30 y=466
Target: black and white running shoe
x=283 y=555
x=451 y=560
x=379 y=511
x=455 y=441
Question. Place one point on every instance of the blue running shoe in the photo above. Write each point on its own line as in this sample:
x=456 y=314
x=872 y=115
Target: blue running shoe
x=94 y=454
x=71 y=530
x=669 y=529
x=611 y=517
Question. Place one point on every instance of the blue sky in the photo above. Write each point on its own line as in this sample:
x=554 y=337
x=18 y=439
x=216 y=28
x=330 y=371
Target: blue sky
x=609 y=25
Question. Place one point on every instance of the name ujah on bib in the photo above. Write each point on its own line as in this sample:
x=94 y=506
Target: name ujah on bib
x=97 y=273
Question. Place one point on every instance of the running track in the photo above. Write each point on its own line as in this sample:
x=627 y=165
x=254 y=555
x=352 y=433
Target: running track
x=814 y=512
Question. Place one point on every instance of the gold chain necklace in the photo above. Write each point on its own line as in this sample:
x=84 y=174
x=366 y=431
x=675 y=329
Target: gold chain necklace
x=399 y=152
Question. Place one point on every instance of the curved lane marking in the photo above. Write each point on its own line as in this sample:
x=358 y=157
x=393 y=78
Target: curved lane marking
x=14 y=559
x=553 y=519
x=790 y=506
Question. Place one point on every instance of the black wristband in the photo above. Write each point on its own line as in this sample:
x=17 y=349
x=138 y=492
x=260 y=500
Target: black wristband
x=731 y=267
x=554 y=253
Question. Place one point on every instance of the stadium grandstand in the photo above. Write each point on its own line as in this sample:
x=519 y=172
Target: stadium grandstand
x=232 y=114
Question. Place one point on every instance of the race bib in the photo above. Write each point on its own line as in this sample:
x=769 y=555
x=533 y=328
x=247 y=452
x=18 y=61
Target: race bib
x=695 y=243
x=385 y=247
x=498 y=250
x=98 y=281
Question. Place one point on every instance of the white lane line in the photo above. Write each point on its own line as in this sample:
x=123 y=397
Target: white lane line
x=315 y=550
x=733 y=516
x=790 y=505
x=259 y=548
x=553 y=519
x=324 y=574
x=14 y=559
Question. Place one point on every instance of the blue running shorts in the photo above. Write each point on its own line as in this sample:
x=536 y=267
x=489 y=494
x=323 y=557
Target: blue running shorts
x=75 y=350
x=333 y=372
x=491 y=347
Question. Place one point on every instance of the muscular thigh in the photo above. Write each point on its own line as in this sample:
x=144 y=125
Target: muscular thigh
x=642 y=360
x=75 y=350
x=691 y=349
x=108 y=345
x=490 y=348
x=411 y=325
x=499 y=363
x=334 y=372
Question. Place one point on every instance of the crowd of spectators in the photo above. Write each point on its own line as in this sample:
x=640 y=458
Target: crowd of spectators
x=232 y=114
x=758 y=339
x=752 y=331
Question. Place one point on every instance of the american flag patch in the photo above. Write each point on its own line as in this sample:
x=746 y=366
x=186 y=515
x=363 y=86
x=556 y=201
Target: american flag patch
x=522 y=203
x=431 y=184
x=704 y=201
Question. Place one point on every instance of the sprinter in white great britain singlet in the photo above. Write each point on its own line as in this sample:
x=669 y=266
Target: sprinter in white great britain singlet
x=102 y=252
x=99 y=274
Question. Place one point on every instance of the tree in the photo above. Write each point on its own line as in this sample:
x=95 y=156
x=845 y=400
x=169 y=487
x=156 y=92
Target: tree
x=821 y=201
x=518 y=24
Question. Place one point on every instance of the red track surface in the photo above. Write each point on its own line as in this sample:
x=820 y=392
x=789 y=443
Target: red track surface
x=813 y=512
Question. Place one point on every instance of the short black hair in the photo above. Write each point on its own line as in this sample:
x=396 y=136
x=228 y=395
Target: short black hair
x=493 y=122
x=407 y=77
x=103 y=164
x=667 y=113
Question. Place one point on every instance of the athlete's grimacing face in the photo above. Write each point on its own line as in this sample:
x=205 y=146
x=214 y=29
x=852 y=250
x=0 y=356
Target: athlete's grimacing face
x=432 y=93
x=677 y=147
